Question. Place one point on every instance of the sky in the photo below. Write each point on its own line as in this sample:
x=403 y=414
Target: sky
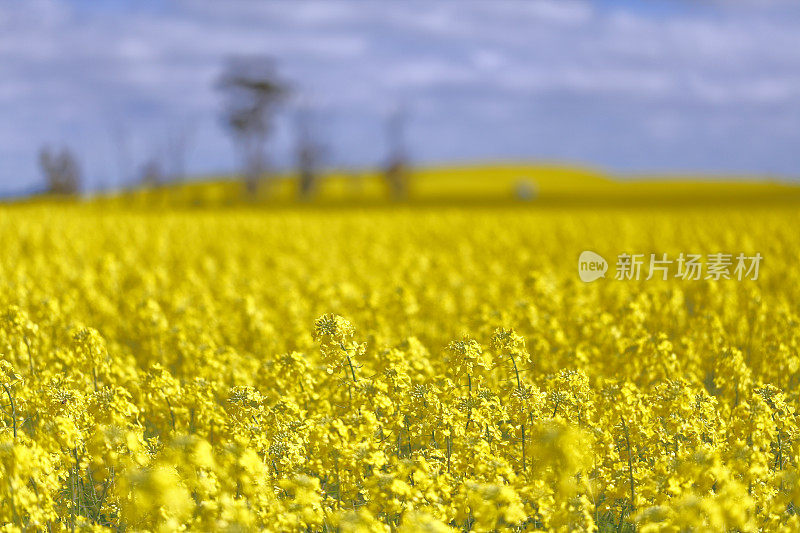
x=630 y=87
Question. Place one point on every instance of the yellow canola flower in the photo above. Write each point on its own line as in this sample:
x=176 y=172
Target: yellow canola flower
x=427 y=369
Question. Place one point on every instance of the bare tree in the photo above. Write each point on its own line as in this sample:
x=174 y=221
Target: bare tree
x=151 y=174
x=309 y=153
x=61 y=171
x=396 y=171
x=177 y=144
x=122 y=149
x=253 y=93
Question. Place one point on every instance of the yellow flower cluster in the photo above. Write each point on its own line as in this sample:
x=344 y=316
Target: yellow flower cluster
x=417 y=369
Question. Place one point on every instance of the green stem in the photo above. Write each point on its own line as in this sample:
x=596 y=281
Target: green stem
x=516 y=372
x=13 y=410
x=630 y=463
x=352 y=372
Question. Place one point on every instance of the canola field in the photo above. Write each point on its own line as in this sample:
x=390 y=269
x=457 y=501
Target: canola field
x=394 y=369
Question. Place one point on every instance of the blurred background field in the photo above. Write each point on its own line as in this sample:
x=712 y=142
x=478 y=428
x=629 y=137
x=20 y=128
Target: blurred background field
x=520 y=185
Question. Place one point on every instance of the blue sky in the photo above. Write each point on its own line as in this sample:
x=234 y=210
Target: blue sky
x=632 y=87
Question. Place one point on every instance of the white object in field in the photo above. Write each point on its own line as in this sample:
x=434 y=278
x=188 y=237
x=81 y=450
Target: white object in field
x=526 y=190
